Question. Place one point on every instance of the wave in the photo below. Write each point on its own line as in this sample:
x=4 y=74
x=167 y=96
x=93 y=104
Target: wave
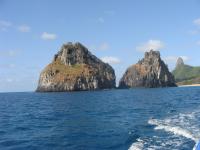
x=160 y=125
x=182 y=127
x=138 y=145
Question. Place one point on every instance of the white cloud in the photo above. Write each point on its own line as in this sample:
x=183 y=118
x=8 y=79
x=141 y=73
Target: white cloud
x=11 y=53
x=193 y=32
x=24 y=28
x=151 y=44
x=185 y=58
x=7 y=66
x=101 y=47
x=197 y=22
x=111 y=60
x=104 y=46
x=173 y=59
x=11 y=65
x=101 y=20
x=198 y=43
x=8 y=53
x=48 y=36
x=170 y=59
x=4 y=25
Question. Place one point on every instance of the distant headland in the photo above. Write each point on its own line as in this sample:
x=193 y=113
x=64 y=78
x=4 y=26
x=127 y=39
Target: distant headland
x=185 y=74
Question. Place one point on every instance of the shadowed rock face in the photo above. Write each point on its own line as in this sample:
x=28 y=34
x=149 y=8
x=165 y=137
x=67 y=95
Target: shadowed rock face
x=74 y=68
x=150 y=72
x=179 y=62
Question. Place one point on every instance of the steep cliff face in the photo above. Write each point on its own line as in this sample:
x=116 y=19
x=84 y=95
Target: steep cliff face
x=150 y=72
x=74 y=68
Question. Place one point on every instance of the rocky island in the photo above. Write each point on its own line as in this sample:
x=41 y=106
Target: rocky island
x=74 y=68
x=150 y=72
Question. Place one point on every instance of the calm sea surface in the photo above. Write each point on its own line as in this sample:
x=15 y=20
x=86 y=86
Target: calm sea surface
x=136 y=119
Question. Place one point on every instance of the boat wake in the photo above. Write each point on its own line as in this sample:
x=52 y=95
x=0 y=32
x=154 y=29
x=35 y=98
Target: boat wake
x=161 y=125
x=178 y=129
x=138 y=145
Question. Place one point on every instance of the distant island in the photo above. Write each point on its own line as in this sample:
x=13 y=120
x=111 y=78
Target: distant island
x=75 y=68
x=150 y=72
x=185 y=74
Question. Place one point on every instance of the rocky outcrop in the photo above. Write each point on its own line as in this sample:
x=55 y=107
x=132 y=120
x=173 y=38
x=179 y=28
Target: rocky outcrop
x=74 y=68
x=179 y=62
x=150 y=72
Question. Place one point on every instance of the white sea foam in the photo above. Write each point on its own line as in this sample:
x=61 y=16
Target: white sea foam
x=182 y=126
x=157 y=143
x=194 y=148
x=138 y=145
x=160 y=125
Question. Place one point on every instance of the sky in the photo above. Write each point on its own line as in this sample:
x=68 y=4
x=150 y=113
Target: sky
x=116 y=31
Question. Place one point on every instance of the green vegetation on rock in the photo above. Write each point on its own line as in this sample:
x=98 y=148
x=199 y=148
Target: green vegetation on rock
x=185 y=74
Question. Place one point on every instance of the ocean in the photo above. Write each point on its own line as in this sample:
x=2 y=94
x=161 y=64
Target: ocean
x=129 y=119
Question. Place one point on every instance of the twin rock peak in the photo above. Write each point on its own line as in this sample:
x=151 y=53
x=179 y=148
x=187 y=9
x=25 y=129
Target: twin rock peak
x=75 y=68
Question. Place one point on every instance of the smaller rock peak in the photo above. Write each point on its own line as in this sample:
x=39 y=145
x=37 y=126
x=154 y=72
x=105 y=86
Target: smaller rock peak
x=179 y=62
x=151 y=71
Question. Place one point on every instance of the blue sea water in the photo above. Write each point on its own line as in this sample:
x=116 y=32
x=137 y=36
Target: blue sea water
x=135 y=119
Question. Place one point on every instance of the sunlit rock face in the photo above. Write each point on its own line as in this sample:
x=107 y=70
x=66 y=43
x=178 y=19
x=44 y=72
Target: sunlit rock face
x=150 y=72
x=74 y=68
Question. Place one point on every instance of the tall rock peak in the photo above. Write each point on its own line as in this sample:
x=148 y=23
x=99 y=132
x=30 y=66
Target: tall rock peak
x=179 y=62
x=151 y=71
x=75 y=68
